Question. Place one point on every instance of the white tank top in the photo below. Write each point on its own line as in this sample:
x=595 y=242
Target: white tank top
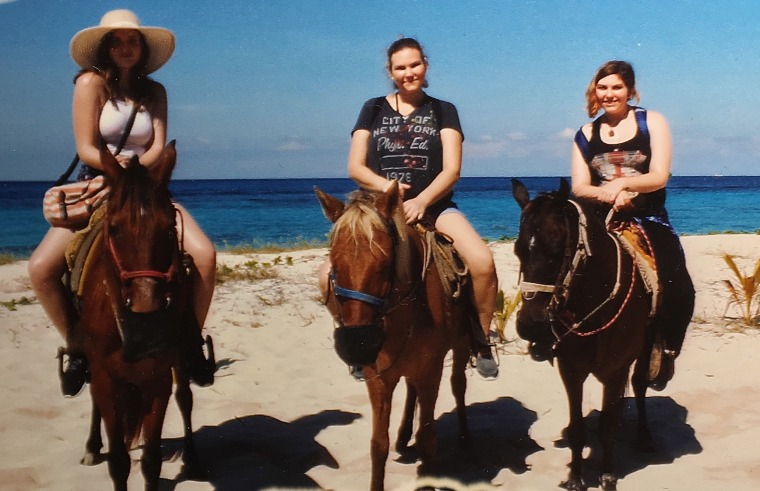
x=113 y=121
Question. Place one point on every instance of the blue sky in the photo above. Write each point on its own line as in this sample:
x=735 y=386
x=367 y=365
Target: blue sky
x=261 y=89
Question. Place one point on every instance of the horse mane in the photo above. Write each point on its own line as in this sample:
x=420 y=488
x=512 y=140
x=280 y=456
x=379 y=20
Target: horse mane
x=360 y=219
x=136 y=186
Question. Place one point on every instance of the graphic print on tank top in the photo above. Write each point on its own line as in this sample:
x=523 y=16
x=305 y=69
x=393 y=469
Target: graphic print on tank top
x=608 y=166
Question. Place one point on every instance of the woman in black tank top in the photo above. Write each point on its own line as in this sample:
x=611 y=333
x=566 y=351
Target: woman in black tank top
x=621 y=160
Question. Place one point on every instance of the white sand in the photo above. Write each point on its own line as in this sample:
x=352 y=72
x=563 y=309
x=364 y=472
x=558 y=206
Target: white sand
x=284 y=413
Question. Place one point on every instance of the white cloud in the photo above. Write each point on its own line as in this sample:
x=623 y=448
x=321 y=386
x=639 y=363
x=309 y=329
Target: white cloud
x=3 y=2
x=566 y=134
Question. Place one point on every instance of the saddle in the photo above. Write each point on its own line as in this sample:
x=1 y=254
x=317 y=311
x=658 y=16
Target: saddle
x=439 y=249
x=78 y=257
x=634 y=241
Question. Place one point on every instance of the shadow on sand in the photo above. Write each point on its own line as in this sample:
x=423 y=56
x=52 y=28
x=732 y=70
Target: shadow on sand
x=673 y=438
x=257 y=452
x=499 y=440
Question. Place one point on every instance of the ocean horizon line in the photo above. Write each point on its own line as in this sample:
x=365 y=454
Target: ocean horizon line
x=567 y=176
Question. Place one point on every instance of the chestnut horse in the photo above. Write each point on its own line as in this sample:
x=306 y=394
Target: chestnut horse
x=585 y=303
x=393 y=318
x=134 y=308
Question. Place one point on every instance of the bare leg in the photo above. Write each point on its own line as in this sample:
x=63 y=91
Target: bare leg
x=46 y=268
x=204 y=255
x=479 y=260
x=323 y=277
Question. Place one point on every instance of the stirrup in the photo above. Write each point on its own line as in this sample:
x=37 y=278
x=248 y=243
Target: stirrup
x=202 y=370
x=666 y=371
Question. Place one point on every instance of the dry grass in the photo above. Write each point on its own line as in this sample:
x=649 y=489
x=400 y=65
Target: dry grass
x=744 y=291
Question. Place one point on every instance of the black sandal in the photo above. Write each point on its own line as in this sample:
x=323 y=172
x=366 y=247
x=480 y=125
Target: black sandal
x=75 y=375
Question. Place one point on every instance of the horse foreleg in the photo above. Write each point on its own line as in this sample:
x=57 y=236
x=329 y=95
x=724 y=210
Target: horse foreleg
x=94 y=443
x=572 y=379
x=407 y=421
x=612 y=402
x=154 y=411
x=640 y=383
x=105 y=394
x=427 y=395
x=459 y=387
x=184 y=397
x=380 y=394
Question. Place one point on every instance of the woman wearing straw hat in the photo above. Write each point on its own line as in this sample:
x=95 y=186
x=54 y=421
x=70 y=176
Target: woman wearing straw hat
x=115 y=59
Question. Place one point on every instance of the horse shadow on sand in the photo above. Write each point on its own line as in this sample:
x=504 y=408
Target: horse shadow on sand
x=499 y=440
x=672 y=436
x=259 y=451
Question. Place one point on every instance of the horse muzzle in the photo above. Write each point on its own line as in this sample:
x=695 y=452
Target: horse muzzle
x=145 y=334
x=359 y=345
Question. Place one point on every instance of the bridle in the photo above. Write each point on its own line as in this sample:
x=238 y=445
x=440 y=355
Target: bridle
x=380 y=304
x=575 y=257
x=126 y=275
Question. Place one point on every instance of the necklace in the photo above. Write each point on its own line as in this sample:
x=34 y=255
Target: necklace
x=398 y=108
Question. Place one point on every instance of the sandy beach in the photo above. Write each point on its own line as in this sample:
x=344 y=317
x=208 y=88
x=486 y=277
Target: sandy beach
x=285 y=414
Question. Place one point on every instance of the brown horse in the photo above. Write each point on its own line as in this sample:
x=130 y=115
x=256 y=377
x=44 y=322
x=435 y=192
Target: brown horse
x=585 y=303
x=134 y=314
x=393 y=318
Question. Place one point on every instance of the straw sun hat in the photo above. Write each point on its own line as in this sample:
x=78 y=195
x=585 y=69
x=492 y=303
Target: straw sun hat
x=84 y=44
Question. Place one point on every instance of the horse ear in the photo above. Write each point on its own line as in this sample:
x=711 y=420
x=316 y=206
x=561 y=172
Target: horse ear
x=564 y=189
x=388 y=201
x=331 y=207
x=520 y=193
x=161 y=172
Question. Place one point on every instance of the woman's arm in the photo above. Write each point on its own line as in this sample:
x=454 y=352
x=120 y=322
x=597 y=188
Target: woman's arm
x=359 y=171
x=659 y=164
x=451 y=141
x=159 y=114
x=90 y=96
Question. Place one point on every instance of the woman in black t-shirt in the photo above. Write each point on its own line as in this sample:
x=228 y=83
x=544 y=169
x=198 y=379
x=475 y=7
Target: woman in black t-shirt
x=416 y=140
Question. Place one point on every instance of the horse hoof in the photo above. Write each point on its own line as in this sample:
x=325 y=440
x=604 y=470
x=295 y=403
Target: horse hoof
x=573 y=484
x=89 y=459
x=608 y=482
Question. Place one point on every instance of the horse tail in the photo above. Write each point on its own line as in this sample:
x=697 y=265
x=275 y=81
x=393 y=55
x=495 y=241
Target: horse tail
x=133 y=414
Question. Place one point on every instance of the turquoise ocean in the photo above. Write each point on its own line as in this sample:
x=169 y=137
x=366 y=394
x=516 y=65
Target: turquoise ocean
x=285 y=212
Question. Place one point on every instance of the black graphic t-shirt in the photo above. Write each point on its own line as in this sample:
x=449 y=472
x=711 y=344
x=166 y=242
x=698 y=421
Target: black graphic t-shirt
x=407 y=148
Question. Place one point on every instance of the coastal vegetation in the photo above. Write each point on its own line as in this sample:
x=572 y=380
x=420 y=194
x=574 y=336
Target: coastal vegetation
x=505 y=307
x=744 y=291
x=251 y=270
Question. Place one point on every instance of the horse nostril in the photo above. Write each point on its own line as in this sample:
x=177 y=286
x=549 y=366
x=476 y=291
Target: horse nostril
x=128 y=303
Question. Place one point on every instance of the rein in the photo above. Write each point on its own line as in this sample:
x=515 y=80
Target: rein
x=560 y=291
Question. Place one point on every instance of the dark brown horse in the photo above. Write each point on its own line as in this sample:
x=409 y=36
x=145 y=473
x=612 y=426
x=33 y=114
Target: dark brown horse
x=585 y=303
x=134 y=309
x=393 y=318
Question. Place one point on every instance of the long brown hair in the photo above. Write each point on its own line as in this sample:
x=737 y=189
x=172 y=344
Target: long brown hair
x=141 y=86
